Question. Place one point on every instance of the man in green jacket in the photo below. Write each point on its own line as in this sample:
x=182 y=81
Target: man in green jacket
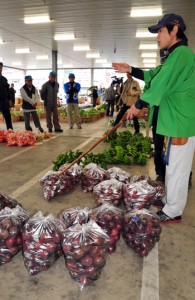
x=171 y=86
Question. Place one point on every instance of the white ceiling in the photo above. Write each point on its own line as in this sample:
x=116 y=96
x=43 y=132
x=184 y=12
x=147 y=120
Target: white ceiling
x=105 y=25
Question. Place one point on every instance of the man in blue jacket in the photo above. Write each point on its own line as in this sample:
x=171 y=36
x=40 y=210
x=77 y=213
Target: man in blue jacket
x=71 y=90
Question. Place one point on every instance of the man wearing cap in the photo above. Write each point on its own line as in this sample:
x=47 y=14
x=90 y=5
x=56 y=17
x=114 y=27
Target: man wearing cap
x=72 y=89
x=5 y=101
x=49 y=92
x=30 y=98
x=171 y=87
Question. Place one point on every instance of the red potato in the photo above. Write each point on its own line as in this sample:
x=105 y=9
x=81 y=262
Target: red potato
x=91 y=176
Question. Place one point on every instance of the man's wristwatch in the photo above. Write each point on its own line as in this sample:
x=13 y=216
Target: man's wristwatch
x=138 y=105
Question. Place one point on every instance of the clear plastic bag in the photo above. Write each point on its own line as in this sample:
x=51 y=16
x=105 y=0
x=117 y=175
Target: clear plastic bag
x=110 y=219
x=42 y=238
x=6 y=201
x=71 y=216
x=85 y=249
x=118 y=174
x=47 y=176
x=74 y=171
x=91 y=176
x=109 y=191
x=11 y=223
x=138 y=195
x=141 y=230
x=57 y=185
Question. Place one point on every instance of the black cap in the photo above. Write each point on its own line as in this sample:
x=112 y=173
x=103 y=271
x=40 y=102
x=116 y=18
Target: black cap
x=168 y=19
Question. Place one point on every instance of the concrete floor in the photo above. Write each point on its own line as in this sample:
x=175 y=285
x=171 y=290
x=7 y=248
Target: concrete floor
x=168 y=273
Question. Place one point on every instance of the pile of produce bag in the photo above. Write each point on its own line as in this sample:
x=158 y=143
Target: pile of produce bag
x=91 y=176
x=42 y=238
x=75 y=215
x=11 y=224
x=85 y=250
x=141 y=230
x=109 y=191
x=119 y=174
x=110 y=219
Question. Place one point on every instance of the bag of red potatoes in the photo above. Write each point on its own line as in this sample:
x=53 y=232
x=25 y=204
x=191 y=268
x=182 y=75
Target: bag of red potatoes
x=110 y=219
x=72 y=216
x=85 y=250
x=11 y=223
x=42 y=238
x=91 y=175
x=141 y=230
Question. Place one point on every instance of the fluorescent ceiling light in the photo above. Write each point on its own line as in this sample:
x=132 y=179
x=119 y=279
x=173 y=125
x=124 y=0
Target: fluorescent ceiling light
x=22 y=50
x=68 y=66
x=149 y=60
x=37 y=19
x=42 y=57
x=146 y=12
x=17 y=63
x=101 y=61
x=92 y=55
x=64 y=37
x=2 y=42
x=144 y=33
x=107 y=65
x=1 y=58
x=148 y=46
x=31 y=67
x=81 y=48
x=149 y=65
x=149 y=54
x=59 y=62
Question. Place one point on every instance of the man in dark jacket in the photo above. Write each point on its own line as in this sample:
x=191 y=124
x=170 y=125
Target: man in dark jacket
x=5 y=102
x=12 y=92
x=49 y=92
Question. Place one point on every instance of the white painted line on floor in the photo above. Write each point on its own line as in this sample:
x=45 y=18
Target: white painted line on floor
x=29 y=148
x=150 y=276
x=35 y=179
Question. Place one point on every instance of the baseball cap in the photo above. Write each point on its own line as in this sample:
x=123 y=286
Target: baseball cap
x=52 y=73
x=28 y=77
x=71 y=75
x=168 y=19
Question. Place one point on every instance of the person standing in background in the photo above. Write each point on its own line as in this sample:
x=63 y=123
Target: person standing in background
x=5 y=101
x=130 y=93
x=12 y=92
x=30 y=98
x=95 y=96
x=71 y=90
x=110 y=94
x=48 y=93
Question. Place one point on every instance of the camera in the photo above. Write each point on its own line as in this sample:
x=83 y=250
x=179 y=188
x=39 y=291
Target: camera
x=117 y=80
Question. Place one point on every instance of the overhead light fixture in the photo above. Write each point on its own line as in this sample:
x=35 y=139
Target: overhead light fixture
x=92 y=55
x=149 y=60
x=149 y=65
x=59 y=62
x=146 y=12
x=37 y=19
x=68 y=66
x=144 y=34
x=101 y=61
x=148 y=46
x=31 y=67
x=17 y=63
x=42 y=57
x=64 y=37
x=2 y=42
x=149 y=54
x=107 y=65
x=22 y=50
x=1 y=58
x=81 y=48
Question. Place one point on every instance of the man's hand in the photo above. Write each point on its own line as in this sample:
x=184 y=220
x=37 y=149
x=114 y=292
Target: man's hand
x=10 y=103
x=132 y=112
x=122 y=67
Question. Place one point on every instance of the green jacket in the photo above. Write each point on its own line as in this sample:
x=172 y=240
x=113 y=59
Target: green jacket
x=171 y=86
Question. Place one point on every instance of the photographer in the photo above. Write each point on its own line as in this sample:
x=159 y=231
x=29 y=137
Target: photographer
x=130 y=93
x=110 y=94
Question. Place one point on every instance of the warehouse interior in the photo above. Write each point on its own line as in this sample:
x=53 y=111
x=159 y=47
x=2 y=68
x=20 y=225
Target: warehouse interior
x=168 y=272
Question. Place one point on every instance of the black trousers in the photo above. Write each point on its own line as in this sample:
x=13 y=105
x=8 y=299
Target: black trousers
x=110 y=108
x=35 y=119
x=121 y=113
x=4 y=108
x=158 y=140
